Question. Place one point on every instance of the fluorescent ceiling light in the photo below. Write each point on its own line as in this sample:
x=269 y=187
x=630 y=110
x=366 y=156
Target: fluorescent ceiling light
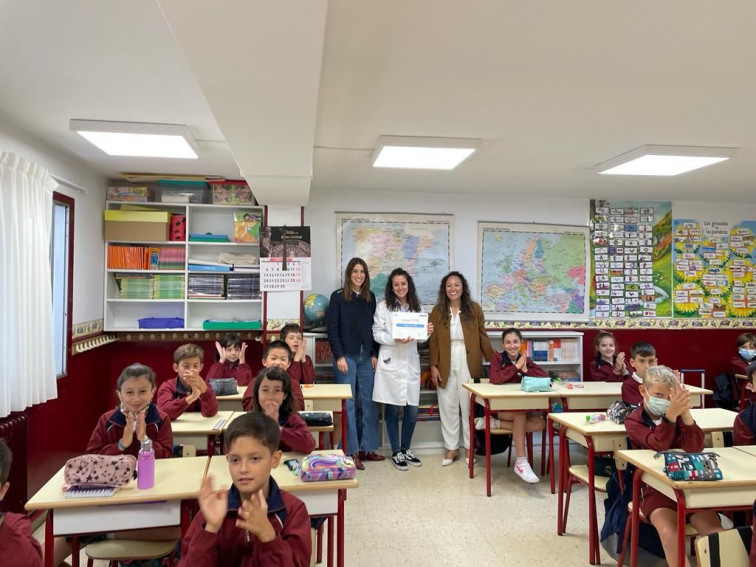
x=664 y=160
x=408 y=152
x=137 y=139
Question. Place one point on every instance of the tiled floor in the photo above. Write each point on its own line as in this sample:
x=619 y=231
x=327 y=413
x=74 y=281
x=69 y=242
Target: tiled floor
x=437 y=516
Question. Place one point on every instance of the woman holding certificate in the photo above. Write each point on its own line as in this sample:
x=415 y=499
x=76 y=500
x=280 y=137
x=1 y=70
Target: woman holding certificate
x=397 y=326
x=457 y=349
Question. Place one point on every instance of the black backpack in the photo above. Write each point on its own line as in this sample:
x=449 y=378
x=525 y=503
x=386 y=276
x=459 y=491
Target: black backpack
x=725 y=396
x=499 y=443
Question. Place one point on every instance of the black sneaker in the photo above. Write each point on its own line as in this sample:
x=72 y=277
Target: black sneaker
x=399 y=462
x=411 y=459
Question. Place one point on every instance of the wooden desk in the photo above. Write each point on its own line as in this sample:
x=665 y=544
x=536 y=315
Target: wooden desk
x=193 y=426
x=177 y=483
x=321 y=498
x=600 y=438
x=232 y=402
x=600 y=395
x=736 y=491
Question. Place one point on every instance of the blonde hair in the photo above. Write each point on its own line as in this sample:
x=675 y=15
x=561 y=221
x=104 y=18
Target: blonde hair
x=660 y=375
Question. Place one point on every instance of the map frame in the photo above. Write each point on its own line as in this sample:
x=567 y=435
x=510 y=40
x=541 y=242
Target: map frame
x=504 y=228
x=391 y=218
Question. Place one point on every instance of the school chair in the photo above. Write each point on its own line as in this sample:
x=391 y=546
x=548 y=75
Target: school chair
x=701 y=372
x=730 y=548
x=115 y=550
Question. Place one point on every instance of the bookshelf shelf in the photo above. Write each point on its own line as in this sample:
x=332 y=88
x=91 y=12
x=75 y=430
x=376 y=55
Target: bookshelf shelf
x=546 y=348
x=123 y=314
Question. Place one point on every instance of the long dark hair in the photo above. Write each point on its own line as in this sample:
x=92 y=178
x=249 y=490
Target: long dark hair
x=365 y=289
x=274 y=374
x=465 y=302
x=391 y=300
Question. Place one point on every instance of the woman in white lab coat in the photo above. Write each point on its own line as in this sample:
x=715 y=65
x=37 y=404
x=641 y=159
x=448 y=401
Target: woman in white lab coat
x=397 y=374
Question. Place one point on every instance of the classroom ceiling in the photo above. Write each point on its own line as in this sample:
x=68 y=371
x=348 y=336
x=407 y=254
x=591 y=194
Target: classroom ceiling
x=296 y=90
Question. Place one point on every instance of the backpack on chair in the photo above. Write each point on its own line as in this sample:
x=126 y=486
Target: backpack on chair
x=499 y=443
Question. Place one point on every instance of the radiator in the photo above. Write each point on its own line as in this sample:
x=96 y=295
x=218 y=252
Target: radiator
x=13 y=430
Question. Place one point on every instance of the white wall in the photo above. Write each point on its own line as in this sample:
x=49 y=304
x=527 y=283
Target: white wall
x=89 y=247
x=467 y=211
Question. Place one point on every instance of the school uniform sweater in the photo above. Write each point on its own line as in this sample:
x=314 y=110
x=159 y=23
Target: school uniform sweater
x=602 y=371
x=171 y=398
x=503 y=370
x=631 y=390
x=241 y=372
x=744 y=432
x=296 y=393
x=303 y=371
x=350 y=325
x=235 y=546
x=18 y=547
x=109 y=430
x=294 y=435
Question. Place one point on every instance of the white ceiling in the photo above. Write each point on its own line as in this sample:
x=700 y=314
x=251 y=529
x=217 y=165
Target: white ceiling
x=282 y=89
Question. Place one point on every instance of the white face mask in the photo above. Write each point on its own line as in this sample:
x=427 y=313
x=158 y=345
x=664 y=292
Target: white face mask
x=657 y=406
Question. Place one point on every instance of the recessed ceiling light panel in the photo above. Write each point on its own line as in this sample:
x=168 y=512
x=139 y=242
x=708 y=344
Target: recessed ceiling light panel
x=137 y=139
x=408 y=152
x=664 y=160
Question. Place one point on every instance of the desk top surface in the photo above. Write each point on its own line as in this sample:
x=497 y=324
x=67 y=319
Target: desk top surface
x=588 y=389
x=310 y=392
x=194 y=422
x=708 y=419
x=283 y=476
x=738 y=469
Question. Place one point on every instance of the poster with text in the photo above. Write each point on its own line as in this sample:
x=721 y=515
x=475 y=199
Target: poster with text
x=630 y=250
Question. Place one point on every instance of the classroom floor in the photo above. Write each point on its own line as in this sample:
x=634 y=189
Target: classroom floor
x=437 y=516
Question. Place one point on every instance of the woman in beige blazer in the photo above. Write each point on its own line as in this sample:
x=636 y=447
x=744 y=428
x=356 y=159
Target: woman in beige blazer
x=457 y=349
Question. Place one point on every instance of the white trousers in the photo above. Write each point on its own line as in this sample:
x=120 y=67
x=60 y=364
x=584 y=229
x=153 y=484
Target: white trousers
x=454 y=397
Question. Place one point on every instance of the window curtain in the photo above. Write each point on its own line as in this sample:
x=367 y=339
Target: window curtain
x=26 y=316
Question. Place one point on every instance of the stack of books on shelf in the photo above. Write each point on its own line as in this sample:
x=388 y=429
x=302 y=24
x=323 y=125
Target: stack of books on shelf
x=171 y=258
x=205 y=286
x=552 y=350
x=428 y=413
x=323 y=352
x=168 y=286
x=134 y=286
x=243 y=286
x=121 y=257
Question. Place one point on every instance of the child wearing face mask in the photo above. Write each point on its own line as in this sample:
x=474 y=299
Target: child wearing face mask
x=271 y=395
x=662 y=423
x=744 y=432
x=746 y=345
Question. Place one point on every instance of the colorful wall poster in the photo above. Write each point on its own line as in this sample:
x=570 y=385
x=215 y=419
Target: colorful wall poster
x=713 y=263
x=630 y=249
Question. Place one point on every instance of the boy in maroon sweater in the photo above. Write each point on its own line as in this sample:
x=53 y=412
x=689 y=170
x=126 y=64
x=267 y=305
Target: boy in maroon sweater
x=642 y=357
x=276 y=353
x=510 y=366
x=17 y=544
x=745 y=423
x=662 y=423
x=231 y=360
x=188 y=391
x=254 y=522
x=302 y=370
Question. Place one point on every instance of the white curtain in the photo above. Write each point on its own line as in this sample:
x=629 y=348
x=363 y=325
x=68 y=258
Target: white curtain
x=27 y=374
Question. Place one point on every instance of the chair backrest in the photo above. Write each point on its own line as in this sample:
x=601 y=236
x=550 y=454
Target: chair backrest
x=619 y=445
x=717 y=439
x=730 y=548
x=479 y=381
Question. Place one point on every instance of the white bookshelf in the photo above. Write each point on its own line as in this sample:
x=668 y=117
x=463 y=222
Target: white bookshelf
x=569 y=360
x=122 y=315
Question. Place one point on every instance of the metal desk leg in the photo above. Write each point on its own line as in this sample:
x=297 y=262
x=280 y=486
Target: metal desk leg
x=635 y=517
x=488 y=448
x=49 y=540
x=340 y=531
x=681 y=513
x=550 y=433
x=471 y=451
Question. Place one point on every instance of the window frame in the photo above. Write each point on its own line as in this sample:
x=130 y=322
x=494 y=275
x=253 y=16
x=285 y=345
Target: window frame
x=70 y=203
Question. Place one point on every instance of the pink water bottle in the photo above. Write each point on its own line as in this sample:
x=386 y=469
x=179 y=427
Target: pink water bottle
x=146 y=465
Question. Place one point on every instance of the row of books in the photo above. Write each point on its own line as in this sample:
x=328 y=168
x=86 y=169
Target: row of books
x=323 y=353
x=148 y=286
x=145 y=257
x=224 y=286
x=552 y=350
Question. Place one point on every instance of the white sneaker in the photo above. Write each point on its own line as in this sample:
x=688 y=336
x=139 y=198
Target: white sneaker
x=523 y=470
x=480 y=423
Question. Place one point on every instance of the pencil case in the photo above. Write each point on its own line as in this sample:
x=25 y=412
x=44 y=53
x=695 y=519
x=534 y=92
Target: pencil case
x=224 y=386
x=535 y=384
x=690 y=466
x=316 y=468
x=100 y=470
x=317 y=418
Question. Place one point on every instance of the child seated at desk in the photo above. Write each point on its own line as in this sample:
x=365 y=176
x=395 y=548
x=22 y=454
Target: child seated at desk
x=271 y=395
x=188 y=391
x=662 y=423
x=18 y=547
x=510 y=366
x=231 y=360
x=642 y=357
x=744 y=432
x=302 y=370
x=253 y=522
x=276 y=353
x=746 y=345
x=609 y=365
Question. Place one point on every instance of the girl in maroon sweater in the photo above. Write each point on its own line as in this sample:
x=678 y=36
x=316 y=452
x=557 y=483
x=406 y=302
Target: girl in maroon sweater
x=271 y=395
x=608 y=366
x=509 y=367
x=662 y=423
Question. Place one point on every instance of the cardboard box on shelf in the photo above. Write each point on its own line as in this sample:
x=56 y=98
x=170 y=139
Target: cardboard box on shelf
x=136 y=231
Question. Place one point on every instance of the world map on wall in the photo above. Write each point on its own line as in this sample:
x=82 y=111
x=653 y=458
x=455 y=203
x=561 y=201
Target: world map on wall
x=538 y=273
x=421 y=244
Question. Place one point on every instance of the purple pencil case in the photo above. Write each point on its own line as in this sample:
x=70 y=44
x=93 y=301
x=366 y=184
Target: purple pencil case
x=317 y=468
